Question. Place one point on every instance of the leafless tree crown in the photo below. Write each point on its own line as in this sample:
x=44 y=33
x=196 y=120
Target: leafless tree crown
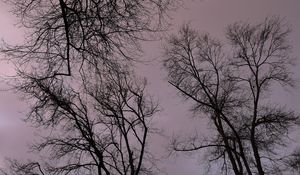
x=229 y=87
x=74 y=70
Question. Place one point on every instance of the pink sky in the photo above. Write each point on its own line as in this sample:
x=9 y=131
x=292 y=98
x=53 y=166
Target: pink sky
x=210 y=16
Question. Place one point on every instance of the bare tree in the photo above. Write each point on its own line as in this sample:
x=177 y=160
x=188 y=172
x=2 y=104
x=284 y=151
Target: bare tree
x=73 y=69
x=70 y=34
x=229 y=87
x=101 y=130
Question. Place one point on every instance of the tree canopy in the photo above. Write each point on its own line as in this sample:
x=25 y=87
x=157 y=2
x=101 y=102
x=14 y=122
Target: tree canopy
x=230 y=86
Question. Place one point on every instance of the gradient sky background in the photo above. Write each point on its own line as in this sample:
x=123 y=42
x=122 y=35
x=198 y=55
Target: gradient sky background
x=210 y=16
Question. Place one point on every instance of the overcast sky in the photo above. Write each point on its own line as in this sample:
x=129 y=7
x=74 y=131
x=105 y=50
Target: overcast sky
x=210 y=16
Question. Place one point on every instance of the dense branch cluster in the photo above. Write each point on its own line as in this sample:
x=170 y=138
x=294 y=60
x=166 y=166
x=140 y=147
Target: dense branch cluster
x=72 y=33
x=229 y=87
x=74 y=69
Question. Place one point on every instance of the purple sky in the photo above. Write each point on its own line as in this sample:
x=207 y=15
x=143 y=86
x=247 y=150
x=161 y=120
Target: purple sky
x=210 y=16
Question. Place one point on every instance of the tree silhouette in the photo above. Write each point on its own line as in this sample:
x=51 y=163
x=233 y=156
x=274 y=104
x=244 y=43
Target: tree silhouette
x=229 y=86
x=101 y=130
x=74 y=70
x=65 y=35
